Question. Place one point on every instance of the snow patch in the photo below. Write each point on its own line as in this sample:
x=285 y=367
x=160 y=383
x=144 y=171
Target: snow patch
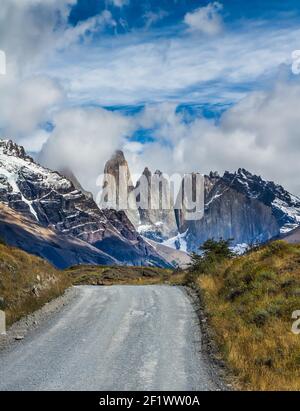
x=293 y=212
x=240 y=249
x=178 y=242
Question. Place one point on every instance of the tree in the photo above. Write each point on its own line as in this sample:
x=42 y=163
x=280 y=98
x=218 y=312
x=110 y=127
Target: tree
x=212 y=252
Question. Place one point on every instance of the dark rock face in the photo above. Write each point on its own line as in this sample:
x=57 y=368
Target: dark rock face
x=238 y=205
x=243 y=207
x=230 y=214
x=53 y=201
x=60 y=250
x=285 y=206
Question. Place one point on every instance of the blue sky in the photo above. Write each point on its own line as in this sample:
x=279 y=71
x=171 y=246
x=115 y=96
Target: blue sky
x=152 y=42
x=134 y=12
x=183 y=85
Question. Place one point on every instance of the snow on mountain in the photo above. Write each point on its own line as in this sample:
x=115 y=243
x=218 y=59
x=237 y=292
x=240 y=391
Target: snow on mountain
x=51 y=200
x=285 y=206
x=179 y=242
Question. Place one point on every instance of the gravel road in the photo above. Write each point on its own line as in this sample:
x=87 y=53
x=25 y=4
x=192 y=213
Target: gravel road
x=113 y=338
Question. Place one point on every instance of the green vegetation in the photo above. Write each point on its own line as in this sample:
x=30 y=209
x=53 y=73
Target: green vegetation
x=212 y=253
x=249 y=302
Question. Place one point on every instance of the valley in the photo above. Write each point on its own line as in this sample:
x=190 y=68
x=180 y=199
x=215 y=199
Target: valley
x=128 y=268
x=149 y=199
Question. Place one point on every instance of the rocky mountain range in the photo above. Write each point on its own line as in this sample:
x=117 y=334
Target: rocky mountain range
x=50 y=201
x=240 y=206
x=49 y=214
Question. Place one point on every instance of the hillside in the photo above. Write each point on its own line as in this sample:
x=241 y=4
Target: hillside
x=18 y=230
x=27 y=282
x=52 y=201
x=249 y=302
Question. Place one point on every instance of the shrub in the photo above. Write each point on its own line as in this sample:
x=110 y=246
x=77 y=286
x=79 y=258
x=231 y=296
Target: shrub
x=260 y=317
x=212 y=252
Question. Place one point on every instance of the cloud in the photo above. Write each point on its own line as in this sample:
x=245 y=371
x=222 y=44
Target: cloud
x=86 y=28
x=51 y=70
x=152 y=17
x=206 y=20
x=141 y=67
x=119 y=3
x=30 y=29
x=30 y=32
x=27 y=103
x=83 y=140
x=261 y=134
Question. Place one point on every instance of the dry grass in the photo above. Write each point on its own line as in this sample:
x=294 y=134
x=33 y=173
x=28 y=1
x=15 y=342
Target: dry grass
x=103 y=275
x=250 y=301
x=27 y=282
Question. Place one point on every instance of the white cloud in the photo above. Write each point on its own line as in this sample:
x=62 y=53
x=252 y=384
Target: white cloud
x=29 y=29
x=261 y=134
x=27 y=103
x=132 y=68
x=119 y=3
x=206 y=20
x=35 y=141
x=87 y=27
x=83 y=140
x=152 y=17
x=30 y=32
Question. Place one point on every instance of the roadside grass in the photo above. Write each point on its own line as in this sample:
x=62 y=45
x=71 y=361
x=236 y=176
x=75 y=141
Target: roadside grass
x=249 y=302
x=27 y=282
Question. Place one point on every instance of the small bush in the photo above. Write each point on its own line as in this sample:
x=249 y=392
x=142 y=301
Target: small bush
x=260 y=317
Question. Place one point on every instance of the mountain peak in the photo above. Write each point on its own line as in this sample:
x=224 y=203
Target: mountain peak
x=285 y=206
x=9 y=148
x=50 y=200
x=147 y=172
x=118 y=156
x=116 y=161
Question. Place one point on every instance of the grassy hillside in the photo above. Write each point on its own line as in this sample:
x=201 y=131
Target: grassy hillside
x=250 y=301
x=27 y=282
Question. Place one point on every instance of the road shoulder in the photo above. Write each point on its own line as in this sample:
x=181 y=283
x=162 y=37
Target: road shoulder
x=209 y=349
x=22 y=328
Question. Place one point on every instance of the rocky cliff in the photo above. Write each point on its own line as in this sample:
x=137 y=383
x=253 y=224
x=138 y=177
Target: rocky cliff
x=51 y=200
x=239 y=205
x=228 y=214
x=143 y=202
x=61 y=250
